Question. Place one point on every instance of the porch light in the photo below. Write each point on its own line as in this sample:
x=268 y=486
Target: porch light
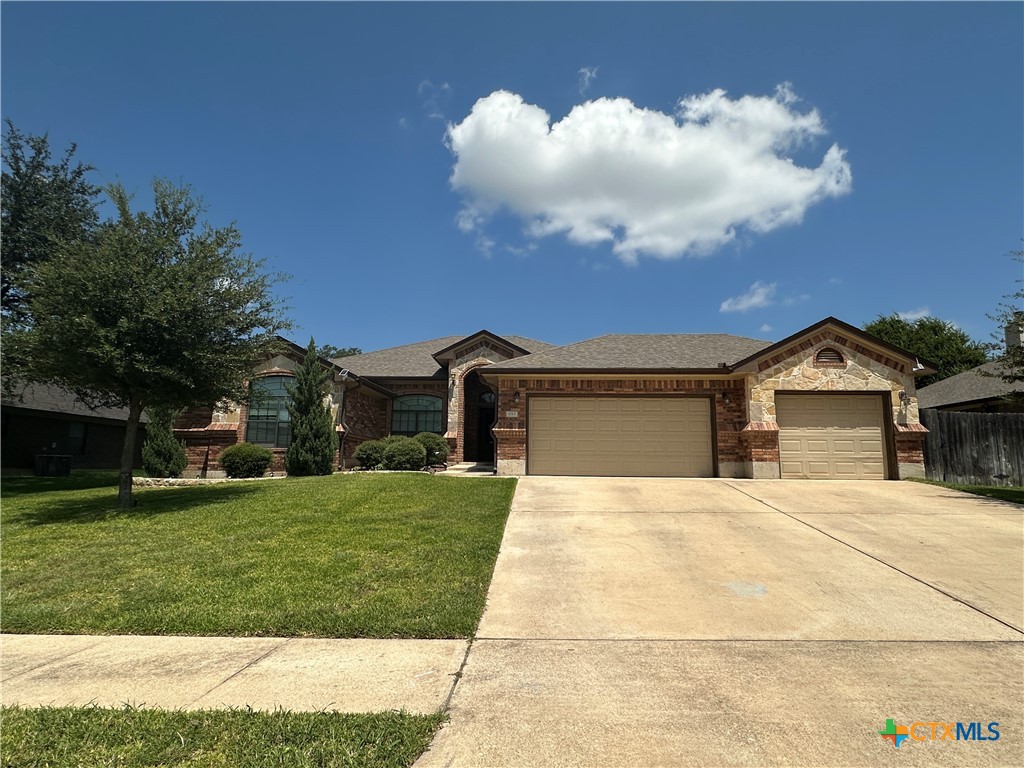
x=725 y=398
x=515 y=397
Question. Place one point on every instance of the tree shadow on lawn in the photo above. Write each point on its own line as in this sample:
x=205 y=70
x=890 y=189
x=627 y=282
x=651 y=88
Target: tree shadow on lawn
x=150 y=503
x=79 y=480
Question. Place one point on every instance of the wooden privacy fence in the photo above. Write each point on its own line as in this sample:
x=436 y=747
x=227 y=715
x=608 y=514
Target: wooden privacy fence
x=978 y=448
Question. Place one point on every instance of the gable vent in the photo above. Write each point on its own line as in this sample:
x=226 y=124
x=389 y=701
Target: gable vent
x=829 y=355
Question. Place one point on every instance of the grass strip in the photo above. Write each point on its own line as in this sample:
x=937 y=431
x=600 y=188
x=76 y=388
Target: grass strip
x=1014 y=493
x=131 y=738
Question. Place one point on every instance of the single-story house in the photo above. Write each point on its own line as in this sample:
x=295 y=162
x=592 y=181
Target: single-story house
x=42 y=419
x=979 y=389
x=830 y=401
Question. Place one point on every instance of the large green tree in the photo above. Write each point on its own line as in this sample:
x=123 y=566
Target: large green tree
x=1010 y=312
x=314 y=439
x=158 y=309
x=45 y=204
x=952 y=350
x=332 y=352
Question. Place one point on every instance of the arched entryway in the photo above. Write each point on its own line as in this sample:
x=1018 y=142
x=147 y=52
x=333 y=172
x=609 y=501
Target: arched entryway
x=479 y=418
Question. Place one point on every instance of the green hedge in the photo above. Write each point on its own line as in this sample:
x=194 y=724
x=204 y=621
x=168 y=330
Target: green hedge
x=245 y=460
x=370 y=454
x=435 y=445
x=405 y=453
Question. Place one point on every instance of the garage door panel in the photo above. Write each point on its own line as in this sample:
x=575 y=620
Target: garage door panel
x=831 y=436
x=620 y=436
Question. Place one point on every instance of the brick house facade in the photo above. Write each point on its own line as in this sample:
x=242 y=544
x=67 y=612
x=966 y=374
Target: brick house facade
x=828 y=401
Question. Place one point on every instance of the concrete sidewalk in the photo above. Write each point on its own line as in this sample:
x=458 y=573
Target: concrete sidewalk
x=218 y=672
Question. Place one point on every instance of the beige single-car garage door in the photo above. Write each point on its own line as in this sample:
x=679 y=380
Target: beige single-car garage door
x=620 y=436
x=831 y=436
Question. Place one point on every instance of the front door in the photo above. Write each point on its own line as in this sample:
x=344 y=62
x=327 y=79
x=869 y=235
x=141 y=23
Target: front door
x=484 y=438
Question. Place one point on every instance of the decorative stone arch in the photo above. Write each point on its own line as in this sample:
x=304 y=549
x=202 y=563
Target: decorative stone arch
x=457 y=405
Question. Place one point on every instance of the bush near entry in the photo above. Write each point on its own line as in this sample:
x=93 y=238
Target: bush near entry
x=405 y=453
x=245 y=460
x=435 y=445
x=370 y=454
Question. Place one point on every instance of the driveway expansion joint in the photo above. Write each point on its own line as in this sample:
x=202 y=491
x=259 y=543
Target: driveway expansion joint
x=883 y=562
x=8 y=678
x=240 y=670
x=457 y=677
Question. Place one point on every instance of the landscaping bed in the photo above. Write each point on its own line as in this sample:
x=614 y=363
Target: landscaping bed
x=355 y=555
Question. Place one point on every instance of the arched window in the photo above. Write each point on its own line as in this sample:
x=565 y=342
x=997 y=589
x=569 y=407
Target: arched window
x=412 y=414
x=487 y=397
x=269 y=423
x=829 y=356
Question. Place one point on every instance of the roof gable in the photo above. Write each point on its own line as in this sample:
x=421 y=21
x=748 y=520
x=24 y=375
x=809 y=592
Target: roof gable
x=836 y=331
x=417 y=361
x=479 y=340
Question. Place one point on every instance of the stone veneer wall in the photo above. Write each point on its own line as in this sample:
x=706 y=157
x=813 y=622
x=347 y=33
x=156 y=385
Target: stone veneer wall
x=510 y=432
x=864 y=371
x=467 y=360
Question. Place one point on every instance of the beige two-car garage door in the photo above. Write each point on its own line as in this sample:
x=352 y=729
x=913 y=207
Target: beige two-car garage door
x=620 y=436
x=831 y=436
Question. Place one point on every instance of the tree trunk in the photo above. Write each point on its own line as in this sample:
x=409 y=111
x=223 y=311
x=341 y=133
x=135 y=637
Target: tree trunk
x=131 y=429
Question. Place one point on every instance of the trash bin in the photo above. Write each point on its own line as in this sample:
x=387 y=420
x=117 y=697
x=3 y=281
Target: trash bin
x=52 y=465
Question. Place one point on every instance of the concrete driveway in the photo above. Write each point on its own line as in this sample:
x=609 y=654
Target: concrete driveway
x=641 y=622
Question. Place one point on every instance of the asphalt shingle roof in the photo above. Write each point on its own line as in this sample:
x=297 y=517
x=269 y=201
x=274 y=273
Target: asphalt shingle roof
x=965 y=387
x=416 y=360
x=53 y=399
x=662 y=351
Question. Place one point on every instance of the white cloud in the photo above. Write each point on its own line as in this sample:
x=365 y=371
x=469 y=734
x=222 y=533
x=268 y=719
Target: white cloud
x=765 y=328
x=760 y=295
x=525 y=250
x=587 y=75
x=646 y=182
x=915 y=314
x=435 y=98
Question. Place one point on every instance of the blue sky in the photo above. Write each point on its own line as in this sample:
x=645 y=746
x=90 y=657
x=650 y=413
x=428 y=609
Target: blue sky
x=323 y=131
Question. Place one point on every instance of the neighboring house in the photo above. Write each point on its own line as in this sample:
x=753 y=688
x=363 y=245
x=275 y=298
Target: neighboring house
x=979 y=389
x=828 y=401
x=44 y=419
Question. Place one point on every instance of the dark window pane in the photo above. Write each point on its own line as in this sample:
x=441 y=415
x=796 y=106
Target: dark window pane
x=268 y=412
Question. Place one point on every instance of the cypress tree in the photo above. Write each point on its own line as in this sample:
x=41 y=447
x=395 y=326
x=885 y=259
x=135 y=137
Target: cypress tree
x=162 y=454
x=314 y=441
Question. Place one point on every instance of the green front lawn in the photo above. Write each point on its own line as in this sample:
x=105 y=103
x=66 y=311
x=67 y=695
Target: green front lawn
x=401 y=555
x=1014 y=493
x=132 y=738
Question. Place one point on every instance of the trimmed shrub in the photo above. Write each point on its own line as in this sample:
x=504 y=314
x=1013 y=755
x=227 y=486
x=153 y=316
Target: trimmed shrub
x=392 y=439
x=245 y=460
x=162 y=454
x=435 y=445
x=405 y=453
x=370 y=454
